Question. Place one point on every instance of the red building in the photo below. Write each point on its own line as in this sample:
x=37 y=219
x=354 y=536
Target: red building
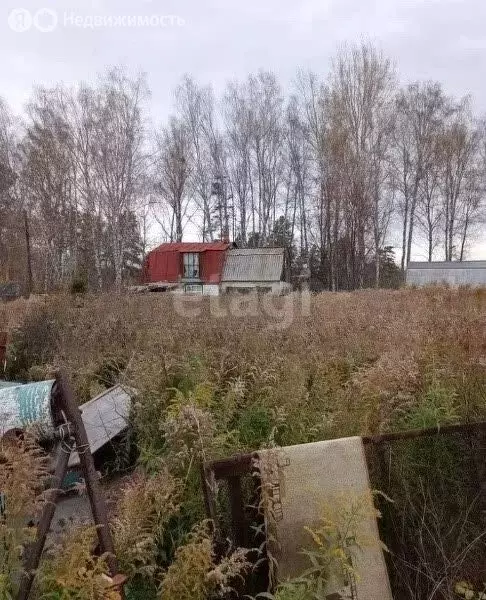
x=196 y=267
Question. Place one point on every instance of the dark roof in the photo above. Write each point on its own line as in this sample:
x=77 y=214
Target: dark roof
x=192 y=246
x=253 y=264
x=456 y=264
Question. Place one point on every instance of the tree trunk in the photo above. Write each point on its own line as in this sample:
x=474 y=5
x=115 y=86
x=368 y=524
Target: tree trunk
x=377 y=270
x=96 y=256
x=413 y=206
x=30 y=282
x=404 y=236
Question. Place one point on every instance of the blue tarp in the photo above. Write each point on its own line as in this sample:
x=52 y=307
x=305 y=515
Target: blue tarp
x=23 y=406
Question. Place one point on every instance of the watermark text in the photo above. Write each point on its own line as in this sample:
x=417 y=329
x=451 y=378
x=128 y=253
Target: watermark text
x=47 y=20
x=277 y=311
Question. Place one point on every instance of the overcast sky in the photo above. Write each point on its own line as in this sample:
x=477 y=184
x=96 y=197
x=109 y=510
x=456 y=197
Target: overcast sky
x=218 y=40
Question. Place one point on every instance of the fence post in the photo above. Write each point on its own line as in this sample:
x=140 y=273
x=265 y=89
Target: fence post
x=98 y=506
x=34 y=551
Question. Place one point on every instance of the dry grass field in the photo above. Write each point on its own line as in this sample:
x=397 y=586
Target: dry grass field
x=221 y=376
x=356 y=362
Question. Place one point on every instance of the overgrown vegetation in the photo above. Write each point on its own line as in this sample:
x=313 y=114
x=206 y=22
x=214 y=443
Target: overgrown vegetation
x=23 y=471
x=211 y=386
x=333 y=550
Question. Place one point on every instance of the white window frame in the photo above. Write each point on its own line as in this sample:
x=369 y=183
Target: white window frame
x=193 y=288
x=191 y=265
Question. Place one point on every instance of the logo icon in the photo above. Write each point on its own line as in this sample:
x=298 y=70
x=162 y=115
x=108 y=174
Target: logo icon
x=20 y=20
x=45 y=20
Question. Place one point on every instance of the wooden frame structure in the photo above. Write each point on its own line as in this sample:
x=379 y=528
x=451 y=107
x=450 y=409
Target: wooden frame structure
x=69 y=435
x=234 y=469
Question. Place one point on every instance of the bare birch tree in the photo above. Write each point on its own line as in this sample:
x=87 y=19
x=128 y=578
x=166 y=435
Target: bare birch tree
x=266 y=106
x=196 y=108
x=429 y=212
x=421 y=110
x=238 y=124
x=298 y=185
x=84 y=108
x=460 y=180
x=49 y=183
x=328 y=171
x=12 y=210
x=361 y=84
x=120 y=159
x=172 y=171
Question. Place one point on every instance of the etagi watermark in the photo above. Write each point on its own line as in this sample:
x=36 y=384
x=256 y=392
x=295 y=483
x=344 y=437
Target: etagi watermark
x=47 y=20
x=277 y=311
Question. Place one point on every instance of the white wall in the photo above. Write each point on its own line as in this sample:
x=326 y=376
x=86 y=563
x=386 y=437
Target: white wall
x=211 y=289
x=453 y=277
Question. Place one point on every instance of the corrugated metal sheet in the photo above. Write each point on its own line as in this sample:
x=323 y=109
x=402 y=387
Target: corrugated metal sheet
x=7 y=384
x=104 y=417
x=22 y=406
x=253 y=265
x=456 y=264
x=452 y=273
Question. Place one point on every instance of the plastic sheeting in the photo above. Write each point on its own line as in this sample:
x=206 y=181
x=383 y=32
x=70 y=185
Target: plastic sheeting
x=24 y=406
